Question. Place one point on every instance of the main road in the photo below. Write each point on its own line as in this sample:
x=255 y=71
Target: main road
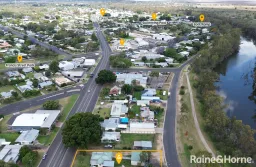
x=58 y=155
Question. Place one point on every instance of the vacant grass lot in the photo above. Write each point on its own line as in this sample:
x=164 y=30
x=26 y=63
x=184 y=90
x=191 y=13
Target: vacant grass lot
x=7 y=88
x=82 y=160
x=127 y=140
x=102 y=112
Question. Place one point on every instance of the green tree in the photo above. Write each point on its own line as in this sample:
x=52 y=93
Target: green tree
x=35 y=83
x=81 y=130
x=105 y=76
x=54 y=67
x=15 y=94
x=94 y=37
x=47 y=73
x=144 y=59
x=126 y=89
x=10 y=59
x=29 y=159
x=104 y=92
x=23 y=151
x=51 y=105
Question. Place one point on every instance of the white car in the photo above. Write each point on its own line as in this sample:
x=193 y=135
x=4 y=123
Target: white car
x=89 y=91
x=44 y=157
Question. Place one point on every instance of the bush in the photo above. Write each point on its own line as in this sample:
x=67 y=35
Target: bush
x=182 y=92
x=190 y=147
x=182 y=87
x=30 y=93
x=51 y=105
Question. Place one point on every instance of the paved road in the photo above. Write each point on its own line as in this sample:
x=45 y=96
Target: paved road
x=22 y=105
x=58 y=155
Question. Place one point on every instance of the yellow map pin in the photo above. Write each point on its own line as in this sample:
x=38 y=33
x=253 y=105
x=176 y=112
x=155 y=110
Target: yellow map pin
x=102 y=11
x=119 y=157
x=154 y=15
x=201 y=17
x=122 y=41
x=19 y=58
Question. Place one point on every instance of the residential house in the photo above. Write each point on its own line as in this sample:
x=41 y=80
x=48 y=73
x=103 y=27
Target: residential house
x=10 y=153
x=11 y=74
x=142 y=145
x=44 y=67
x=143 y=102
x=4 y=45
x=135 y=159
x=146 y=113
x=141 y=42
x=102 y=159
x=6 y=95
x=142 y=127
x=140 y=64
x=184 y=53
x=110 y=124
x=163 y=37
x=37 y=120
x=62 y=80
x=45 y=84
x=24 y=88
x=162 y=64
x=27 y=137
x=27 y=70
x=110 y=137
x=118 y=110
x=73 y=74
x=115 y=90
x=128 y=78
x=149 y=92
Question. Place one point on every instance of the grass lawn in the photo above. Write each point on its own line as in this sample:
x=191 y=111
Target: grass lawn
x=67 y=104
x=2 y=66
x=47 y=139
x=127 y=140
x=82 y=160
x=9 y=137
x=134 y=110
x=137 y=95
x=126 y=163
x=3 y=123
x=30 y=75
x=159 y=93
x=102 y=112
x=7 y=88
x=40 y=156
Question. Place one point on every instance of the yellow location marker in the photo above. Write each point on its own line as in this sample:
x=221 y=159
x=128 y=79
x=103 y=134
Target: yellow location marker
x=119 y=157
x=154 y=15
x=122 y=41
x=102 y=11
x=19 y=58
x=201 y=17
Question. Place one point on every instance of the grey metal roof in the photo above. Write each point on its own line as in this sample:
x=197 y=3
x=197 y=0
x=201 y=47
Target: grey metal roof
x=144 y=144
x=28 y=136
x=53 y=114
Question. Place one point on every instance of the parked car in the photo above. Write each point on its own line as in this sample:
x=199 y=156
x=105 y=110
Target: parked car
x=108 y=146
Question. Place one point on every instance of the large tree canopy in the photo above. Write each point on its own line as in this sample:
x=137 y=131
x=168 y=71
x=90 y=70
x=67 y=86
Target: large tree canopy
x=105 y=76
x=81 y=130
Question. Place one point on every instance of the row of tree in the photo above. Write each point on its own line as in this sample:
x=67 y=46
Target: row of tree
x=231 y=136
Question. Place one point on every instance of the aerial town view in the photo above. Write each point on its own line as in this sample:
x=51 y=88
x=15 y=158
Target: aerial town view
x=127 y=83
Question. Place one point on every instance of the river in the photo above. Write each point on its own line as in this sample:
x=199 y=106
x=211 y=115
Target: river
x=235 y=83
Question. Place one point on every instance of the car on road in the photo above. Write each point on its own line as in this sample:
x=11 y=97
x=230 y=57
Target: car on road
x=89 y=91
x=44 y=156
x=108 y=146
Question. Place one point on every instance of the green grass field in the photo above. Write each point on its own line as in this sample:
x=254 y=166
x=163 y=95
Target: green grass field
x=7 y=88
x=82 y=160
x=137 y=95
x=102 y=112
x=127 y=140
x=47 y=139
x=9 y=137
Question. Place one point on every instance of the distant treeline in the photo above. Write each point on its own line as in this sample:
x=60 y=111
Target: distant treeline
x=230 y=136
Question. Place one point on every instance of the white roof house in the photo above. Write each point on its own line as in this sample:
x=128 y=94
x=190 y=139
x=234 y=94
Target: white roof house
x=45 y=84
x=146 y=113
x=110 y=124
x=110 y=136
x=24 y=88
x=44 y=67
x=27 y=137
x=10 y=153
x=3 y=142
x=66 y=65
x=89 y=62
x=39 y=119
x=6 y=95
x=149 y=92
x=141 y=42
x=27 y=70
x=138 y=127
x=162 y=37
x=184 y=53
x=118 y=110
x=75 y=74
x=127 y=78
